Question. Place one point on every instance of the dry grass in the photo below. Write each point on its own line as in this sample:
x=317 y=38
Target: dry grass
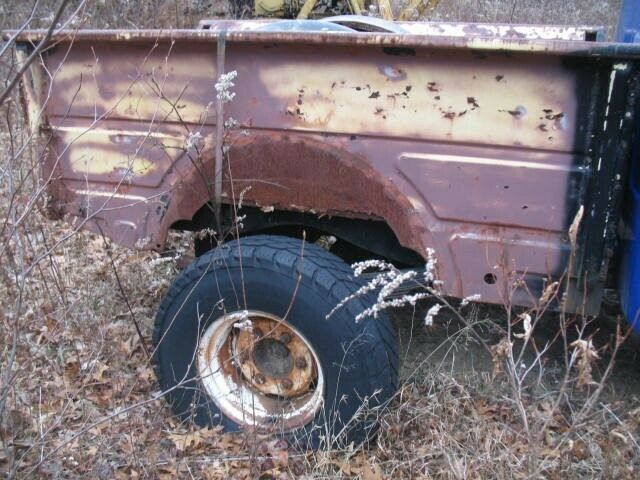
x=592 y=12
x=81 y=396
x=186 y=14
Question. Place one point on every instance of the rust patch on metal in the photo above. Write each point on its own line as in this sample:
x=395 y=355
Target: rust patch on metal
x=288 y=173
x=314 y=177
x=273 y=366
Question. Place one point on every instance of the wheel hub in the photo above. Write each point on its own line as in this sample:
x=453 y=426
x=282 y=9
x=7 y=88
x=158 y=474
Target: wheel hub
x=274 y=359
x=260 y=370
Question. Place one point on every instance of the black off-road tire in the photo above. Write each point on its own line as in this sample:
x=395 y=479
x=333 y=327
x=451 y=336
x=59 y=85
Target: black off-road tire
x=359 y=360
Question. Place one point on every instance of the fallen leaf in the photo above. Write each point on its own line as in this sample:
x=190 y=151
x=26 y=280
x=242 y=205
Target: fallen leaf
x=185 y=441
x=98 y=372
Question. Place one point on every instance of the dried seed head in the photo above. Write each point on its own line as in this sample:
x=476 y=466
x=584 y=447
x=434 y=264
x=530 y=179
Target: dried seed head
x=548 y=293
x=575 y=226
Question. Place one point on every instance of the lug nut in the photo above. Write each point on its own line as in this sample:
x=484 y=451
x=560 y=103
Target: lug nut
x=259 y=378
x=285 y=337
x=301 y=363
x=286 y=383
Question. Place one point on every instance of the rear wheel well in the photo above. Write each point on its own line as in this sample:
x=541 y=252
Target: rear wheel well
x=356 y=239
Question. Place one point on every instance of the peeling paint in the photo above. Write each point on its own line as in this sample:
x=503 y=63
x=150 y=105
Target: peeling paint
x=335 y=108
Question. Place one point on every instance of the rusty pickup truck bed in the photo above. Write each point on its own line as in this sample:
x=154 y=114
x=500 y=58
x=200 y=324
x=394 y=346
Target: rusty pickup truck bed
x=482 y=148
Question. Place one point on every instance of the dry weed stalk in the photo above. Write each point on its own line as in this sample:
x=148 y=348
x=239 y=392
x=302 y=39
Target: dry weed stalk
x=547 y=425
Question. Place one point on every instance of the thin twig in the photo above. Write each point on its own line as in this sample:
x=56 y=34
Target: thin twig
x=43 y=43
x=124 y=294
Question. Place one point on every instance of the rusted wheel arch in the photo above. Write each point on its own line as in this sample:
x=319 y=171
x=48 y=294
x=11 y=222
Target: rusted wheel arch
x=278 y=173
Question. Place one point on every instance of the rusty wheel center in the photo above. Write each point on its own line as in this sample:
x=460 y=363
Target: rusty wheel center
x=273 y=358
x=260 y=370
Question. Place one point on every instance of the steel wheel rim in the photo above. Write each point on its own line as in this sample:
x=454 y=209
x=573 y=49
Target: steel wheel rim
x=251 y=379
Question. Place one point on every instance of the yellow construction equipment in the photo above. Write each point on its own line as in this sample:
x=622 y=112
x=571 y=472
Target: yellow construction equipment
x=406 y=10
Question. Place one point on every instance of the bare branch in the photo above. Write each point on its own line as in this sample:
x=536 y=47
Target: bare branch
x=43 y=43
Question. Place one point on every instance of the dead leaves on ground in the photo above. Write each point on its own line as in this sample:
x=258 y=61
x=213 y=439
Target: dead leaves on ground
x=84 y=362
x=360 y=466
